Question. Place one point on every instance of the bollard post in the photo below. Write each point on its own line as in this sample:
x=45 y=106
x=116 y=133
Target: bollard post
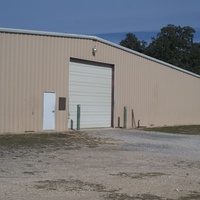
x=118 y=122
x=78 y=117
x=72 y=127
x=125 y=116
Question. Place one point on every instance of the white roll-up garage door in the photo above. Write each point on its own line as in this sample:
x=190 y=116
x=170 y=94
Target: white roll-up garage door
x=90 y=86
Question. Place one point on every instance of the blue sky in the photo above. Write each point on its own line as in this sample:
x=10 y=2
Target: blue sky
x=98 y=16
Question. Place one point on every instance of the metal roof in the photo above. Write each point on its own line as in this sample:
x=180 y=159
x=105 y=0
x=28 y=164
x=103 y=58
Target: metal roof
x=68 y=35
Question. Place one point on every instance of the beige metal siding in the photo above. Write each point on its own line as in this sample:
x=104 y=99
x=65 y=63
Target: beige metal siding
x=32 y=64
x=159 y=95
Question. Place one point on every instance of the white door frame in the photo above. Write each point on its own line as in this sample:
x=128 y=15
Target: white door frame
x=49 y=107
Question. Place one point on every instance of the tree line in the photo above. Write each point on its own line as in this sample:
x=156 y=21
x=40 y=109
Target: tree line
x=173 y=44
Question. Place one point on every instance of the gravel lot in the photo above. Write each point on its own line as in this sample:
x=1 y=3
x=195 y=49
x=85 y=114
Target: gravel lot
x=103 y=164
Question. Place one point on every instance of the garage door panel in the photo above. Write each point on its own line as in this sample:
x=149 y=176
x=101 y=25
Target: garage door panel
x=87 y=83
x=89 y=72
x=96 y=110
x=101 y=101
x=95 y=122
x=83 y=91
x=91 y=84
x=92 y=108
x=103 y=109
x=89 y=69
x=91 y=87
x=88 y=80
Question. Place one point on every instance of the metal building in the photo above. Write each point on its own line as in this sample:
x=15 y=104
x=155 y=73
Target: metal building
x=44 y=76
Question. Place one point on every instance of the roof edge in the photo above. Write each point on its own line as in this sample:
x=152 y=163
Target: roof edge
x=69 y=35
x=34 y=32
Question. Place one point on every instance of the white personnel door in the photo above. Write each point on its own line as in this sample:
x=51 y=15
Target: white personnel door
x=91 y=87
x=49 y=111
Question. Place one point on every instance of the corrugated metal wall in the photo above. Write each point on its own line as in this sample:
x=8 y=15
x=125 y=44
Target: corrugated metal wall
x=32 y=64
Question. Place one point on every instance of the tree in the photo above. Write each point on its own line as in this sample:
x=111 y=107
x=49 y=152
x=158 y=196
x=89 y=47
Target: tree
x=174 y=45
x=133 y=43
x=195 y=58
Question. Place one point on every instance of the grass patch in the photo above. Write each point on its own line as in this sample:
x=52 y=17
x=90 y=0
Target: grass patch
x=69 y=185
x=42 y=140
x=33 y=140
x=187 y=130
x=121 y=196
x=195 y=196
x=138 y=175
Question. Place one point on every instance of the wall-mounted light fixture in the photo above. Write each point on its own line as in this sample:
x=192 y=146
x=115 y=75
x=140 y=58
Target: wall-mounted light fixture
x=94 y=50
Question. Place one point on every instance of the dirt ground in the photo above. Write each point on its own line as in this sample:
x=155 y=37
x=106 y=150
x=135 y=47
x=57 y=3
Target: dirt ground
x=113 y=164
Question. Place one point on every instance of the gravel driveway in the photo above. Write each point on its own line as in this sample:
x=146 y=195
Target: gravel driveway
x=107 y=164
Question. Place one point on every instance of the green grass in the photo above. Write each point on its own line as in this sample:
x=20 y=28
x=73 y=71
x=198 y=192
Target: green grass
x=187 y=130
x=30 y=140
x=35 y=140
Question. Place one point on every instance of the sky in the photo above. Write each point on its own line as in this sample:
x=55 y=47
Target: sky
x=98 y=17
